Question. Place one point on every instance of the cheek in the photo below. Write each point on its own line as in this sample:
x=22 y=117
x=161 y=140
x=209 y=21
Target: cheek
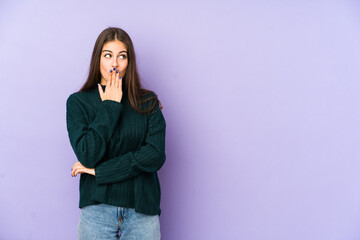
x=103 y=68
x=124 y=66
x=102 y=64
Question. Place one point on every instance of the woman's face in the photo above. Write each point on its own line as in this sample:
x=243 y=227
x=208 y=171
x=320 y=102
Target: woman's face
x=113 y=55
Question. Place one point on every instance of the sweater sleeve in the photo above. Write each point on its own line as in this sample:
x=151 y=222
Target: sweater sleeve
x=149 y=158
x=89 y=138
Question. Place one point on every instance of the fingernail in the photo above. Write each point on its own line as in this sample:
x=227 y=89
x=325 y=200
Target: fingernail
x=117 y=71
x=114 y=69
x=110 y=71
x=119 y=77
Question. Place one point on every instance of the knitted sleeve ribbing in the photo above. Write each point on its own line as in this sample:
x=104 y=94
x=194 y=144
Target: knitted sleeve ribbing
x=149 y=158
x=89 y=138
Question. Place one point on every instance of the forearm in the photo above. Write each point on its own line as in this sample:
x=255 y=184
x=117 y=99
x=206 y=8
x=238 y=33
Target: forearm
x=148 y=158
x=89 y=140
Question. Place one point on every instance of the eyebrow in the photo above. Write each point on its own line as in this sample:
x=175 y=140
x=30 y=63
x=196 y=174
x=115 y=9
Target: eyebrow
x=111 y=51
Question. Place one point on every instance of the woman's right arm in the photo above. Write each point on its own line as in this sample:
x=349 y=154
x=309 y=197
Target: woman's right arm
x=89 y=139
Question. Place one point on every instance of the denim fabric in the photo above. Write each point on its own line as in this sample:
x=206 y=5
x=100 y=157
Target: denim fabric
x=104 y=222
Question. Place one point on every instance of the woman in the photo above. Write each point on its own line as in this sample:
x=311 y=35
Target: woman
x=117 y=131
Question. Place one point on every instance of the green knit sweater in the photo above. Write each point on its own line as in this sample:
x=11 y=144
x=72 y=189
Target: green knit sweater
x=126 y=149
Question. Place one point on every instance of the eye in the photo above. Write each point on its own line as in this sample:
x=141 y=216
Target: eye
x=107 y=55
x=122 y=56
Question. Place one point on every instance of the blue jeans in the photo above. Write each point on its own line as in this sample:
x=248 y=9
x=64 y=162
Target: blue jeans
x=104 y=222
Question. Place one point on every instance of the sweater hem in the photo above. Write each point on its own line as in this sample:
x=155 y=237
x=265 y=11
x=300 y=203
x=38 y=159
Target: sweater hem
x=138 y=210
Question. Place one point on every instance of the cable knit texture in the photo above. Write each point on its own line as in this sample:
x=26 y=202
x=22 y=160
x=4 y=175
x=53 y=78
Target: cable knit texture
x=126 y=149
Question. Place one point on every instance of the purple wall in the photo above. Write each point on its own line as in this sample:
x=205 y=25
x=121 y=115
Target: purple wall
x=261 y=100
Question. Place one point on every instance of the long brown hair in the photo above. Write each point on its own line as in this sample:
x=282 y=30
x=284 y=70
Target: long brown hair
x=131 y=81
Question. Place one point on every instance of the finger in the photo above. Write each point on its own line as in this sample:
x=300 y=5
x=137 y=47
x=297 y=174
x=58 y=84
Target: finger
x=80 y=171
x=113 y=77
x=120 y=82
x=108 y=82
x=101 y=92
x=117 y=83
x=75 y=169
x=117 y=79
x=73 y=172
x=79 y=164
x=109 y=77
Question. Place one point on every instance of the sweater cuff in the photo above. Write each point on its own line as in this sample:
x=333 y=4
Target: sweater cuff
x=112 y=105
x=106 y=172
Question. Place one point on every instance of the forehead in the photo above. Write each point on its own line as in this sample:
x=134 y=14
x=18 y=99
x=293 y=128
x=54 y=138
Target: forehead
x=114 y=46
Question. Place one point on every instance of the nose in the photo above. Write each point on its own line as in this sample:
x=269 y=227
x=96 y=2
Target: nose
x=114 y=63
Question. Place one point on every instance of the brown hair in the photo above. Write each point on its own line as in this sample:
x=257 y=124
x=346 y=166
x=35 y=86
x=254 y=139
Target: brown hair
x=131 y=81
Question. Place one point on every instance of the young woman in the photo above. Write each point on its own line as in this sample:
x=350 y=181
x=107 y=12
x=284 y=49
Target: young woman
x=117 y=131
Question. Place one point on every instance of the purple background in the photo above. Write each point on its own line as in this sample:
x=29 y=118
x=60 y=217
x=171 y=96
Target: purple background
x=261 y=100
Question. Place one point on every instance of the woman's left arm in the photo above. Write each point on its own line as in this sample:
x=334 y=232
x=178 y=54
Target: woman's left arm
x=149 y=158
